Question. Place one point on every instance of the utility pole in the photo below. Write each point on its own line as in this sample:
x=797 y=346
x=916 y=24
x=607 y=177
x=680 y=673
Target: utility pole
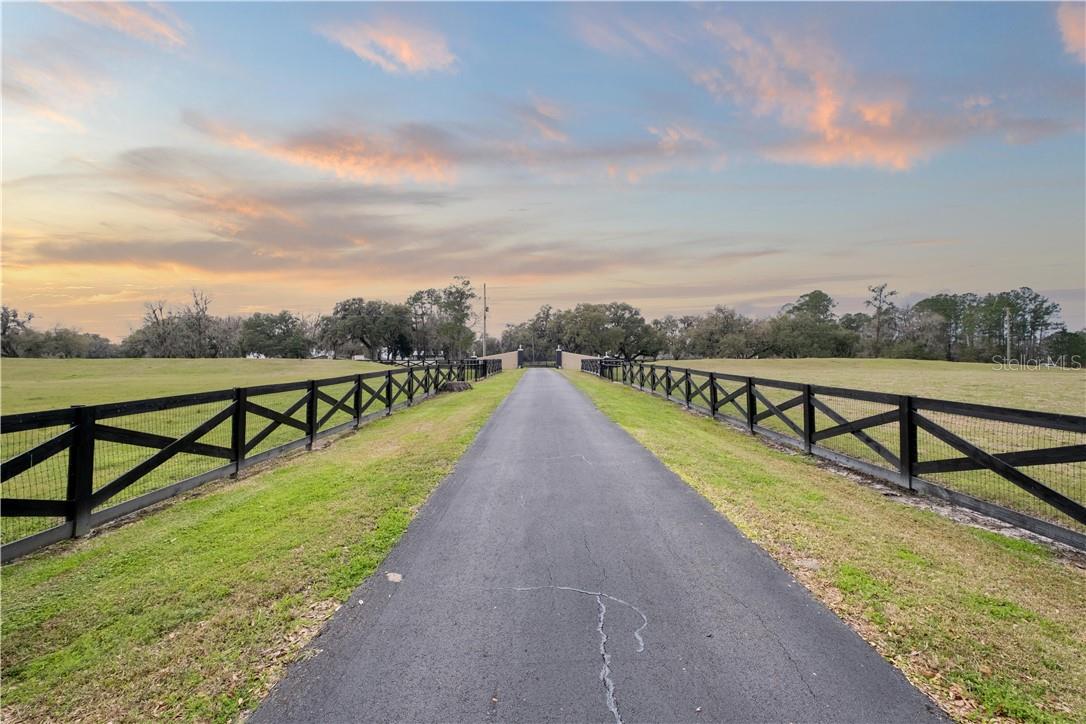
x=1007 y=325
x=485 y=310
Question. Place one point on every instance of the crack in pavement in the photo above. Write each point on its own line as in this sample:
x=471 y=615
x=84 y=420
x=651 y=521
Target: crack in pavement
x=605 y=672
x=601 y=607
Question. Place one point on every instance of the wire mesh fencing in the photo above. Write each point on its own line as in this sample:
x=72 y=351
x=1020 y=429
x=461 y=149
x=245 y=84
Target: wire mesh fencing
x=1025 y=467
x=44 y=480
x=68 y=471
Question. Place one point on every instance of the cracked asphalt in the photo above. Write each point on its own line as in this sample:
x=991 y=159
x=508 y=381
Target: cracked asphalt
x=562 y=573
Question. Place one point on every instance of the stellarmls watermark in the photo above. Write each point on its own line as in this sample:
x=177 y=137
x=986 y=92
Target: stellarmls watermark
x=1062 y=362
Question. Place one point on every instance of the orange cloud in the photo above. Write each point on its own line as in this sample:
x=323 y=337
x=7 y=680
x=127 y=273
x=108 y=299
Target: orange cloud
x=369 y=158
x=149 y=22
x=808 y=88
x=394 y=46
x=1072 y=19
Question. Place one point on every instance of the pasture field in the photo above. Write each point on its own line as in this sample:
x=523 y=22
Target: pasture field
x=990 y=626
x=27 y=385
x=1048 y=390
x=192 y=612
x=1045 y=389
x=46 y=384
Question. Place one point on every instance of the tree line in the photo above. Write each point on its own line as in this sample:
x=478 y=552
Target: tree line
x=958 y=327
x=440 y=323
x=431 y=323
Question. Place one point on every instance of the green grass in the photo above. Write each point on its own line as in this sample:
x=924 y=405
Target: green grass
x=192 y=611
x=45 y=384
x=989 y=626
x=978 y=383
x=1050 y=390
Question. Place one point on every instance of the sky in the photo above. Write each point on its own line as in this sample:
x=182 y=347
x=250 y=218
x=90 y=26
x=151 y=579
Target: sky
x=289 y=155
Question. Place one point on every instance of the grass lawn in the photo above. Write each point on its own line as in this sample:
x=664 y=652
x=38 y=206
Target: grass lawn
x=1051 y=390
x=193 y=611
x=1047 y=389
x=991 y=627
x=45 y=384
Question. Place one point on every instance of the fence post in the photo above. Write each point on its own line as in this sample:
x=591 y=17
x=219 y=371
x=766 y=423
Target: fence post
x=752 y=405
x=906 y=426
x=712 y=395
x=357 y=400
x=311 y=415
x=641 y=375
x=388 y=393
x=81 y=471
x=410 y=386
x=808 y=418
x=686 y=387
x=667 y=382
x=237 y=430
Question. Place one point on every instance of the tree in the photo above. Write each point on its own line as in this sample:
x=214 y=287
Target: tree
x=275 y=335
x=816 y=306
x=628 y=334
x=808 y=328
x=13 y=329
x=454 y=327
x=1068 y=349
x=881 y=302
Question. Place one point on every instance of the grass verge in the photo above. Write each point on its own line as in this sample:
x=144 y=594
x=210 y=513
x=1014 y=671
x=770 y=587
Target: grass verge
x=990 y=626
x=193 y=612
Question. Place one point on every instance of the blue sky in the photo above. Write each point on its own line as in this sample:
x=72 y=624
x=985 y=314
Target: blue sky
x=674 y=156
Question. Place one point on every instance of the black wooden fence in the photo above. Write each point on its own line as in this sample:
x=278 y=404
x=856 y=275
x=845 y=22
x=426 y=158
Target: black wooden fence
x=67 y=471
x=1036 y=480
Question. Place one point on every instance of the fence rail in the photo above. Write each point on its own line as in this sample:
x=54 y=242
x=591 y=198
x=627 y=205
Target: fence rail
x=1036 y=480
x=66 y=472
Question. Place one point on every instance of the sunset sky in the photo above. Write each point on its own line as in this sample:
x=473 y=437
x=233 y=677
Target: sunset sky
x=676 y=157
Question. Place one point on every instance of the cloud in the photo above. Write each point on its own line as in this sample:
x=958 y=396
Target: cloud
x=677 y=137
x=149 y=22
x=394 y=46
x=976 y=101
x=825 y=113
x=51 y=83
x=410 y=153
x=545 y=117
x=622 y=34
x=807 y=87
x=423 y=153
x=1071 y=17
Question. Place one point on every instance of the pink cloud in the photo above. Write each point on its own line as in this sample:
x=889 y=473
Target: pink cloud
x=150 y=22
x=1072 y=19
x=394 y=46
x=807 y=87
x=404 y=156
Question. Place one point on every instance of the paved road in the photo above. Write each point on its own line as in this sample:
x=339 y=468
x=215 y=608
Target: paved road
x=562 y=573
